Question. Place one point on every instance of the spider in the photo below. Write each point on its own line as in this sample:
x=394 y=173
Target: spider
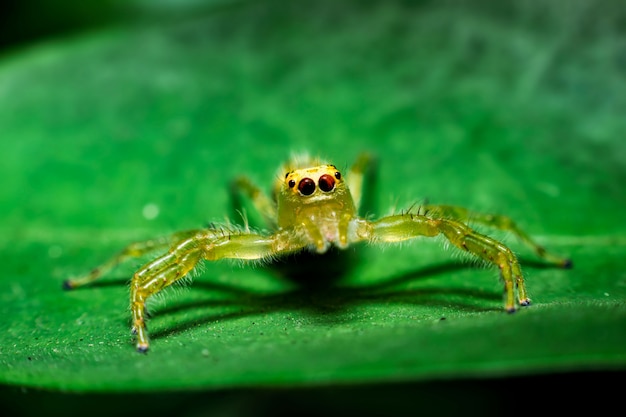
x=314 y=207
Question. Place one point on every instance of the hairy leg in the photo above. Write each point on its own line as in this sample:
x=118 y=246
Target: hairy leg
x=262 y=203
x=407 y=226
x=133 y=250
x=357 y=173
x=500 y=222
x=212 y=245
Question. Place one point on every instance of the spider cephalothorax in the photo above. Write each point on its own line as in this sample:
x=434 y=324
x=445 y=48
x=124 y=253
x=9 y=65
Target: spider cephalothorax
x=314 y=208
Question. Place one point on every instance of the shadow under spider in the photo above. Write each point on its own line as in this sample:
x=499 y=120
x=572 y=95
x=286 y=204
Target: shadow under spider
x=319 y=290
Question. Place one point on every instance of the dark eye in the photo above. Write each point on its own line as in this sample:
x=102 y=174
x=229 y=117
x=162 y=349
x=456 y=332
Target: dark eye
x=306 y=186
x=291 y=183
x=338 y=175
x=327 y=183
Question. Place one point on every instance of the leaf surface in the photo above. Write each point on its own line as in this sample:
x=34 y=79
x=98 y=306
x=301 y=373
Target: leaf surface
x=135 y=132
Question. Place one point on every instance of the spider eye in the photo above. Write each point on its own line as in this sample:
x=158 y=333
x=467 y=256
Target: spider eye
x=326 y=183
x=291 y=183
x=306 y=186
x=338 y=175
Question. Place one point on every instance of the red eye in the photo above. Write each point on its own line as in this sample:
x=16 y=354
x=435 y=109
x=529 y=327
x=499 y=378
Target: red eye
x=306 y=186
x=327 y=183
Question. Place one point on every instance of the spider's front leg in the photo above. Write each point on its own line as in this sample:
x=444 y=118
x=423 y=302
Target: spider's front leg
x=209 y=245
x=407 y=226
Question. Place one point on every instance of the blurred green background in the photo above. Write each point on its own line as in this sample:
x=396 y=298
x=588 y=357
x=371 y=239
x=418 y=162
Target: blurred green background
x=125 y=120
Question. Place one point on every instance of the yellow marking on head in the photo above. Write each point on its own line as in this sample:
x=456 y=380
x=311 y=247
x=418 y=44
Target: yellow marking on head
x=317 y=180
x=313 y=197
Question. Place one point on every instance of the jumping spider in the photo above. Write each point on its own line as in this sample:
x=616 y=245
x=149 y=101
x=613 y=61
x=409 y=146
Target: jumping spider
x=314 y=207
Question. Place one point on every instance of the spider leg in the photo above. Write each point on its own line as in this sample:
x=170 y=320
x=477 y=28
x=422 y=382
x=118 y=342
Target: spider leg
x=496 y=221
x=133 y=250
x=212 y=245
x=357 y=173
x=407 y=226
x=262 y=203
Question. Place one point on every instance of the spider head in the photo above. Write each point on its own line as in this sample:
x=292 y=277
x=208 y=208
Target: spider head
x=315 y=191
x=313 y=184
x=312 y=192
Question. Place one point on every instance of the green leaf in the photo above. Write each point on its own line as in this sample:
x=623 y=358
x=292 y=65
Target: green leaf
x=136 y=132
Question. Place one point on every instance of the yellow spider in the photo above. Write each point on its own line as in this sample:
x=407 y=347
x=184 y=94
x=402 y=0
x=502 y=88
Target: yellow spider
x=314 y=207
